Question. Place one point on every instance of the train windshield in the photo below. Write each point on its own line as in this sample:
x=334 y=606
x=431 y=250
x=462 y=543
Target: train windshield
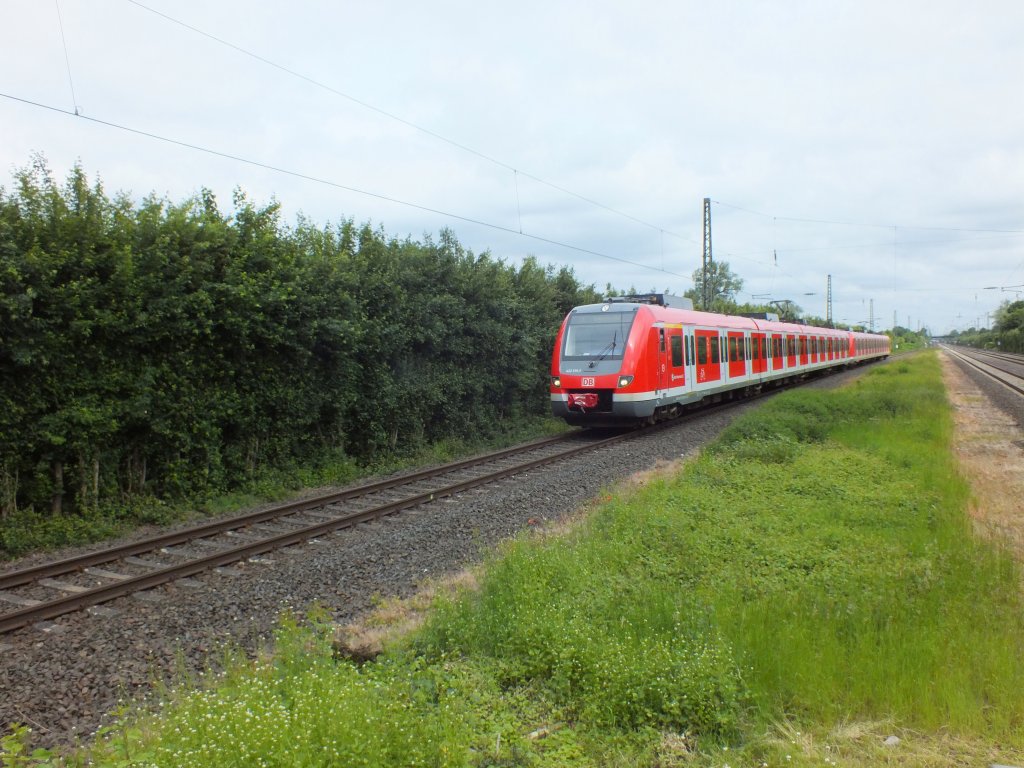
x=597 y=335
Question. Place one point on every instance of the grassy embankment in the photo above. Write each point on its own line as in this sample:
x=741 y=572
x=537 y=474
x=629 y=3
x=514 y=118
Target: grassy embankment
x=807 y=587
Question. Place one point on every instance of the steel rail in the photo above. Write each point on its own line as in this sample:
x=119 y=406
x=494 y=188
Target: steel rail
x=1005 y=378
x=1012 y=357
x=70 y=565
x=76 y=601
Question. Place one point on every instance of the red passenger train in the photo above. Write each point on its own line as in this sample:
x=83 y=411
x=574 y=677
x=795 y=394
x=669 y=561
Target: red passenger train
x=645 y=358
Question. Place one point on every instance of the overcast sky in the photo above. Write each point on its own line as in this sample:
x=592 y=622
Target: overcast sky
x=881 y=143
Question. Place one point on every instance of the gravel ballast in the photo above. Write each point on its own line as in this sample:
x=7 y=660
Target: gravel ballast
x=63 y=677
x=1003 y=398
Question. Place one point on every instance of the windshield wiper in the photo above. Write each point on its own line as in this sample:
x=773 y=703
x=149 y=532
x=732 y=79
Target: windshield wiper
x=609 y=348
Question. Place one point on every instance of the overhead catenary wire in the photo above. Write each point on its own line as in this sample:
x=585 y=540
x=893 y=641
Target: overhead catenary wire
x=865 y=223
x=894 y=242
x=67 y=58
x=392 y=116
x=330 y=183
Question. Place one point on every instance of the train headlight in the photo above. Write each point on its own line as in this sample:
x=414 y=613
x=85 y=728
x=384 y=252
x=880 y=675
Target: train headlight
x=625 y=381
x=556 y=381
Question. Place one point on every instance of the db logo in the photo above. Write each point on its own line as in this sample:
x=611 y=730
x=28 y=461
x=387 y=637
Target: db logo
x=586 y=382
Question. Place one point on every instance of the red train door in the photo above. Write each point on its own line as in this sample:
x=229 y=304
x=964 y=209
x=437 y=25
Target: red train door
x=737 y=355
x=657 y=349
x=759 y=361
x=708 y=359
x=791 y=351
x=677 y=371
x=778 y=352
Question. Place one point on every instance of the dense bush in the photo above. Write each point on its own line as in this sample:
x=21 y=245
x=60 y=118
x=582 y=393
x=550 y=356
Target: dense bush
x=162 y=349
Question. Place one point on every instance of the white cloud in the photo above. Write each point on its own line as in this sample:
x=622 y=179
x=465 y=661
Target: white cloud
x=904 y=115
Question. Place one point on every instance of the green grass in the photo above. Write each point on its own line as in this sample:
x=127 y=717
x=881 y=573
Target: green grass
x=806 y=587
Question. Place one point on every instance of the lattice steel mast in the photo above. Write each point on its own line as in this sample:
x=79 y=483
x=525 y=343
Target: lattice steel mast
x=706 y=294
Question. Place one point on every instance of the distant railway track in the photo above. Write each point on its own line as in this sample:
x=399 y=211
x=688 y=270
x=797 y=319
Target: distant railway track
x=1005 y=369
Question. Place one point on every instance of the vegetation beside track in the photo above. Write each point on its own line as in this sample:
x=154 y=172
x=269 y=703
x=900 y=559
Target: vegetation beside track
x=1005 y=335
x=154 y=355
x=31 y=530
x=807 y=587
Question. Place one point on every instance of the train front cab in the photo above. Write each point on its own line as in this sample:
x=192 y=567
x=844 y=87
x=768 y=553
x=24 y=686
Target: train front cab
x=598 y=379
x=594 y=357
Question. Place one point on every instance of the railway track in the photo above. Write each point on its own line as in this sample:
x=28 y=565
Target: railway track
x=49 y=590
x=52 y=589
x=1007 y=370
x=1007 y=357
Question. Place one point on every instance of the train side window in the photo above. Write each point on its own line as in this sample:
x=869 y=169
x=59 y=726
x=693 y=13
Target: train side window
x=715 y=354
x=702 y=350
x=677 y=350
x=733 y=353
x=661 y=339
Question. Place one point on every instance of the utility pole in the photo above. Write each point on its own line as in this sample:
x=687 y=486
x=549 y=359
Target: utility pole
x=706 y=294
x=828 y=303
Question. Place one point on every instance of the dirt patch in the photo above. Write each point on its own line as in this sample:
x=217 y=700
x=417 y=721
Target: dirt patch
x=394 y=618
x=662 y=470
x=987 y=444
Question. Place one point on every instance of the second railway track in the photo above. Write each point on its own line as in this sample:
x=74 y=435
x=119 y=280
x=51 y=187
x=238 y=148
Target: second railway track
x=1007 y=370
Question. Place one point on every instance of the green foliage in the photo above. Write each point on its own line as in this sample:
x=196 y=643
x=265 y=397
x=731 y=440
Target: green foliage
x=1006 y=334
x=906 y=340
x=301 y=707
x=590 y=619
x=15 y=752
x=173 y=351
x=723 y=286
x=849 y=584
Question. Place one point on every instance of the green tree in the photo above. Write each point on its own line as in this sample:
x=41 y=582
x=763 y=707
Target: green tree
x=723 y=283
